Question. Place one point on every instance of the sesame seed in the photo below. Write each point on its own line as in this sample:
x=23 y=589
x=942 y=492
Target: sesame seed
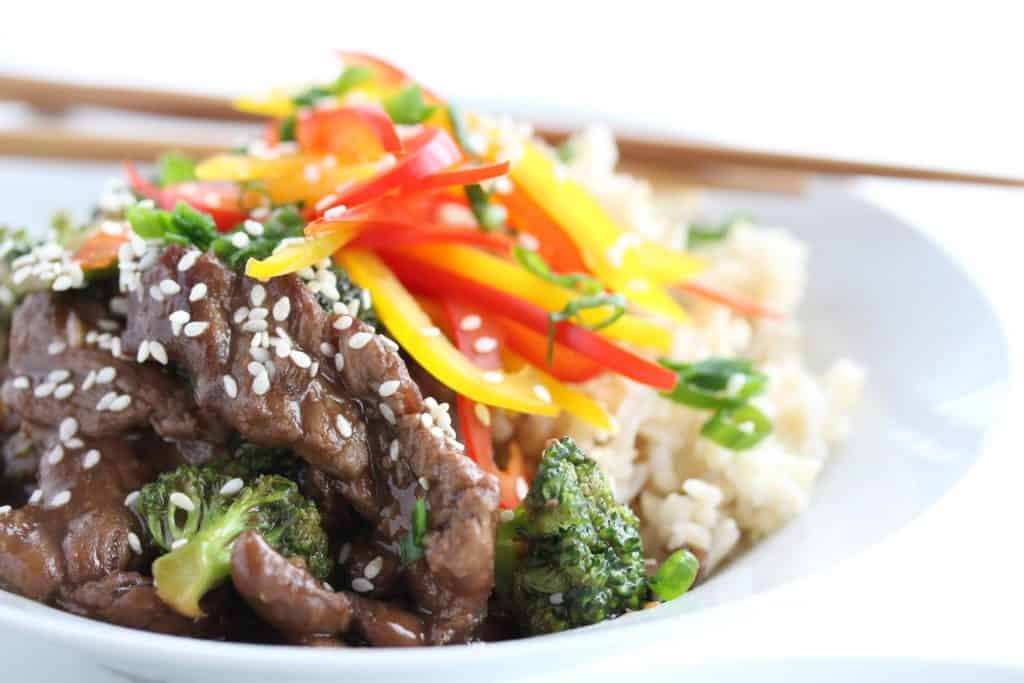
x=387 y=413
x=230 y=386
x=301 y=359
x=179 y=499
x=335 y=213
x=58 y=376
x=282 y=308
x=178 y=320
x=91 y=459
x=155 y=293
x=431 y=331
x=240 y=315
x=89 y=380
x=187 y=260
x=106 y=375
x=257 y=295
x=240 y=240
x=60 y=499
x=20 y=382
x=522 y=488
x=105 y=401
x=143 y=352
x=284 y=348
x=68 y=428
x=494 y=377
x=258 y=313
x=541 y=392
x=326 y=201
x=231 y=487
x=169 y=287
x=353 y=307
x=130 y=499
x=483 y=414
x=344 y=553
x=74 y=443
x=339 y=362
x=43 y=390
x=55 y=455
x=255 y=326
x=62 y=283
x=343 y=322
x=393 y=450
x=555 y=598
x=261 y=384
x=485 y=344
x=359 y=340
x=195 y=328
x=424 y=483
x=254 y=228
x=120 y=403
x=115 y=347
x=344 y=426
x=388 y=388
x=311 y=173
x=326 y=349
x=361 y=585
x=470 y=323
x=181 y=542
x=198 y=292
x=373 y=567
x=56 y=347
x=158 y=352
x=36 y=496
x=134 y=543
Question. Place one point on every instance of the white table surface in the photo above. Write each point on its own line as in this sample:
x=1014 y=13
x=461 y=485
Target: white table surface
x=907 y=83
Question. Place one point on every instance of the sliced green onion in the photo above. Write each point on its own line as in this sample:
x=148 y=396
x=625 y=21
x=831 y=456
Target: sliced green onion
x=489 y=217
x=704 y=233
x=352 y=77
x=705 y=384
x=173 y=167
x=675 y=576
x=286 y=129
x=616 y=303
x=410 y=546
x=536 y=264
x=737 y=428
x=408 y=107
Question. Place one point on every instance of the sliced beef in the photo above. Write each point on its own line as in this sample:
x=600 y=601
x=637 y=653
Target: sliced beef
x=293 y=601
x=129 y=599
x=65 y=360
x=270 y=362
x=76 y=527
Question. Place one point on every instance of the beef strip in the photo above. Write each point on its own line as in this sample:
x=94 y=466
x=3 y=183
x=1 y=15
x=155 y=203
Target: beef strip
x=292 y=600
x=63 y=362
x=339 y=395
x=76 y=528
x=129 y=599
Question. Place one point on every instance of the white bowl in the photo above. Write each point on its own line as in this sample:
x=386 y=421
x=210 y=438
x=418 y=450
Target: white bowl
x=868 y=275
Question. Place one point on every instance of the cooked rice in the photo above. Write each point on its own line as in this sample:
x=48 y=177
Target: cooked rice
x=688 y=491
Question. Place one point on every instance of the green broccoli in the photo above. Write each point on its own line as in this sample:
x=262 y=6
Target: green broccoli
x=569 y=555
x=194 y=514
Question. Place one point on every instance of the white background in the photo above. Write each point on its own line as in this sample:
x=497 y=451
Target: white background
x=931 y=83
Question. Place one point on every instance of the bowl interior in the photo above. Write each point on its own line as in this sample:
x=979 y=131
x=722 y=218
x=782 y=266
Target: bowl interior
x=879 y=293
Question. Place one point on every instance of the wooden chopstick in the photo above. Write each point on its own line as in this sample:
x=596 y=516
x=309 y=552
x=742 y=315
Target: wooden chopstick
x=58 y=95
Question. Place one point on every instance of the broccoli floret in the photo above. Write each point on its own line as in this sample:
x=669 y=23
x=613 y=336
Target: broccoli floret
x=569 y=556
x=194 y=514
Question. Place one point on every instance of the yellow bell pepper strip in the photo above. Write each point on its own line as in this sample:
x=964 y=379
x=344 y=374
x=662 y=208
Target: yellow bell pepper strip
x=295 y=257
x=428 y=279
x=513 y=279
x=242 y=168
x=275 y=104
x=413 y=330
x=599 y=238
x=572 y=401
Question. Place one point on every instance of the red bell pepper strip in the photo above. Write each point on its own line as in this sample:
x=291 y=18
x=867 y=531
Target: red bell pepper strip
x=100 y=249
x=566 y=365
x=428 y=152
x=355 y=133
x=428 y=279
x=462 y=176
x=474 y=418
x=221 y=200
x=553 y=243
x=740 y=304
x=385 y=72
